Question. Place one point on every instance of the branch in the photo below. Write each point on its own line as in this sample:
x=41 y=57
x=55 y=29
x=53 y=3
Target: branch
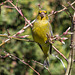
x=60 y=53
x=3 y=3
x=71 y=6
x=22 y=30
x=20 y=12
x=72 y=51
x=19 y=32
x=55 y=12
x=8 y=54
x=52 y=39
x=60 y=60
x=42 y=65
x=59 y=38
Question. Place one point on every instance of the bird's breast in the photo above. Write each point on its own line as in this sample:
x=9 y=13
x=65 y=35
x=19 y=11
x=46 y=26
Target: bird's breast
x=40 y=30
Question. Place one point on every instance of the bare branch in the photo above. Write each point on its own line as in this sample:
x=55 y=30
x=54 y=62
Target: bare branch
x=72 y=51
x=15 y=34
x=60 y=53
x=22 y=62
x=19 y=12
x=60 y=60
x=61 y=9
x=42 y=65
x=71 y=6
x=3 y=3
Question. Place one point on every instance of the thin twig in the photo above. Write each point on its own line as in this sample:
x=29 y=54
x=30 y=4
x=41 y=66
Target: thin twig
x=60 y=60
x=16 y=2
x=19 y=12
x=3 y=3
x=14 y=34
x=71 y=6
x=22 y=62
x=60 y=53
x=8 y=6
x=61 y=9
x=70 y=15
x=72 y=51
x=42 y=65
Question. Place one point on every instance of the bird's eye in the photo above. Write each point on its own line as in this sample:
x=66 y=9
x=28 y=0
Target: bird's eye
x=39 y=13
x=45 y=12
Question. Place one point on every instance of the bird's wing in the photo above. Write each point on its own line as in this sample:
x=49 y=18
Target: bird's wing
x=50 y=51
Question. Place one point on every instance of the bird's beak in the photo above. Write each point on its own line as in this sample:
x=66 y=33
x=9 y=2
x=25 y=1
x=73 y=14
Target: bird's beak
x=42 y=15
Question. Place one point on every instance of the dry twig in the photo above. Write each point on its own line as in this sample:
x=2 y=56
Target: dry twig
x=8 y=54
x=72 y=51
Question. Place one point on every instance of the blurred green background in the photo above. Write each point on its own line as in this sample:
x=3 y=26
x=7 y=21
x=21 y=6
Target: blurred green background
x=10 y=19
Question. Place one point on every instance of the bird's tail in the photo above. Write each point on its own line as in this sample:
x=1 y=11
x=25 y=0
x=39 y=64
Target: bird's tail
x=50 y=51
x=46 y=62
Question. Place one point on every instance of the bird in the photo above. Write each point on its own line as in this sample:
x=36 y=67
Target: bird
x=41 y=29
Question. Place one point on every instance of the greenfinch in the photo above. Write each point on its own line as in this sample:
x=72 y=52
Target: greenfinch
x=41 y=28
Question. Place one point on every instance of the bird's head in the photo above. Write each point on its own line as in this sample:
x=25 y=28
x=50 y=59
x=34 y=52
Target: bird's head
x=42 y=15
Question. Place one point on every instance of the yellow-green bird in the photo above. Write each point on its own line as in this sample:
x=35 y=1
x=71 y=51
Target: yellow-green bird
x=41 y=28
